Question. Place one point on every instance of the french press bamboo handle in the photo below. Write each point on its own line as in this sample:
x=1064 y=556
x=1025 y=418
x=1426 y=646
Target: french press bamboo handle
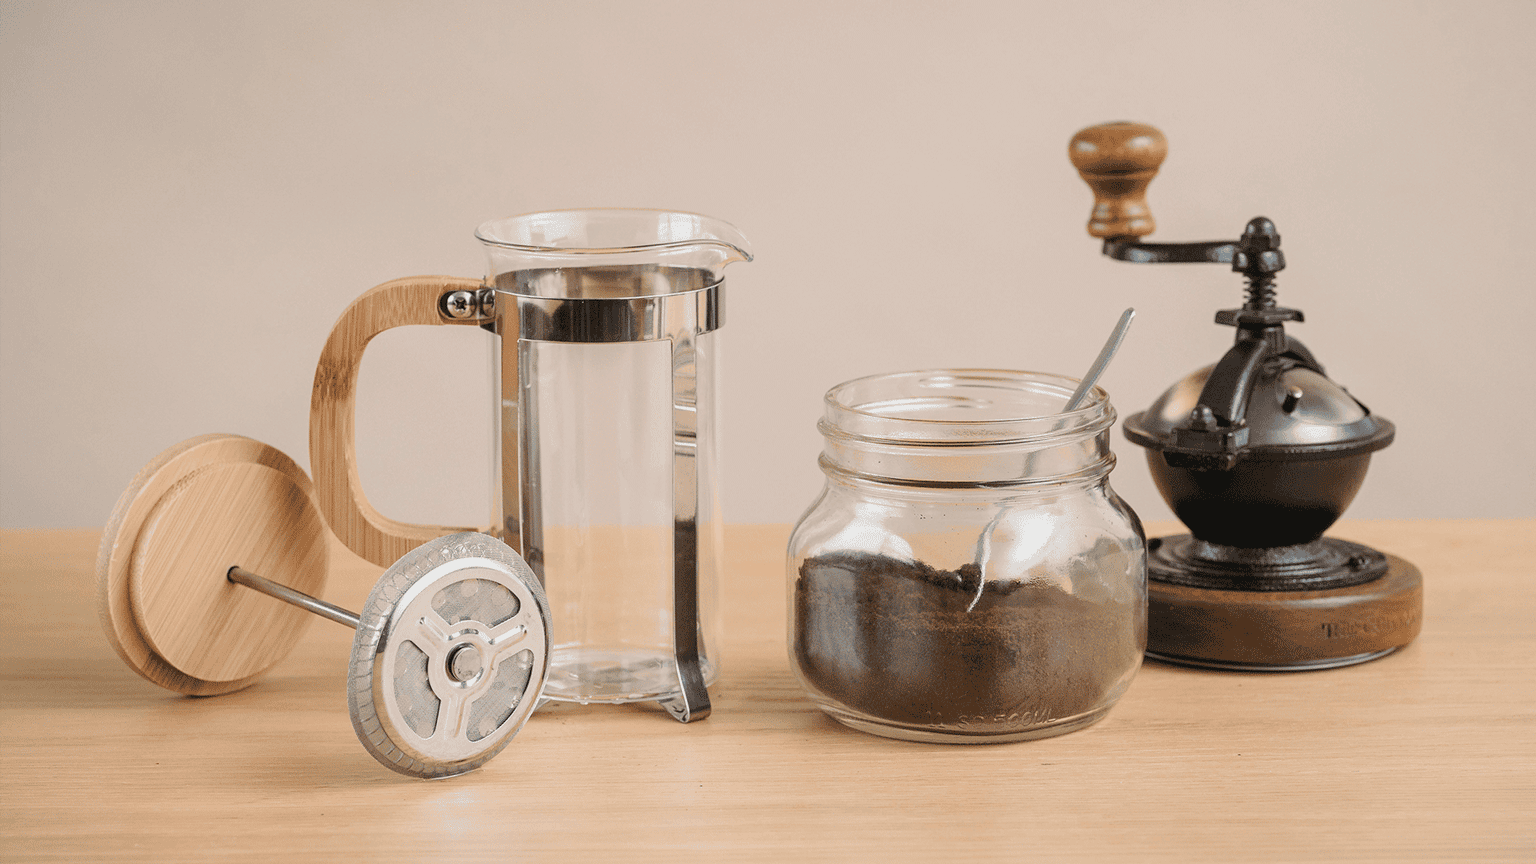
x=1117 y=161
x=333 y=411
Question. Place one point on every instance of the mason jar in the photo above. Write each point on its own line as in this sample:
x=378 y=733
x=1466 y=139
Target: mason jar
x=966 y=575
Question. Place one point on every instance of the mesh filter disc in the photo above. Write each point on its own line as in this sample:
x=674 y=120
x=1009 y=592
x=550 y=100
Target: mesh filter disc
x=450 y=656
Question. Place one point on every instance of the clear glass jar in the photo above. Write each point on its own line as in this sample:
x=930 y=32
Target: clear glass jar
x=967 y=575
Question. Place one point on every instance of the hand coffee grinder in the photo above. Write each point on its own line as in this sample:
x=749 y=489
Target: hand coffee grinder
x=1257 y=454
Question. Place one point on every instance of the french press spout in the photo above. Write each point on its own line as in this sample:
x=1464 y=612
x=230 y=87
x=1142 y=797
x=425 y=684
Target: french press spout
x=1257 y=454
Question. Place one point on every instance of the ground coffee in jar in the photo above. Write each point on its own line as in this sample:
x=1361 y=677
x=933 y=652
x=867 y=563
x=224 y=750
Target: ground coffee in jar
x=939 y=649
x=1038 y=632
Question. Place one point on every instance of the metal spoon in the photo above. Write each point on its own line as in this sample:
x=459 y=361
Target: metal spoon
x=1101 y=362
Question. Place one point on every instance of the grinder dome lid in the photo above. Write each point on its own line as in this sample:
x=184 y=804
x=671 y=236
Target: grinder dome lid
x=1292 y=412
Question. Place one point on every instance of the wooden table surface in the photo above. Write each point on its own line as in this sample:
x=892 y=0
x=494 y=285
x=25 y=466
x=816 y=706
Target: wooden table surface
x=1426 y=755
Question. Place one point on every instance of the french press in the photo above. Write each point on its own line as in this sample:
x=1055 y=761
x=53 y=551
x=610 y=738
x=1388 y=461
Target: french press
x=606 y=387
x=1258 y=454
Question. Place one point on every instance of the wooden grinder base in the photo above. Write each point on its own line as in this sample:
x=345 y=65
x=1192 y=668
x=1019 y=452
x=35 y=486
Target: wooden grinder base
x=1285 y=631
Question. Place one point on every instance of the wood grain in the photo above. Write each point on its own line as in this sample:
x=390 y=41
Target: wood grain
x=220 y=516
x=333 y=410
x=1426 y=755
x=1276 y=628
x=120 y=541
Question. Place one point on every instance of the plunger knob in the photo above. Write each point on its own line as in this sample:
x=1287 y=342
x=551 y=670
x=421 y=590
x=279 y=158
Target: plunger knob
x=1118 y=161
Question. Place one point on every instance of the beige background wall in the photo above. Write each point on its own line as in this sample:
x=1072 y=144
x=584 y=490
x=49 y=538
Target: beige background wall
x=191 y=192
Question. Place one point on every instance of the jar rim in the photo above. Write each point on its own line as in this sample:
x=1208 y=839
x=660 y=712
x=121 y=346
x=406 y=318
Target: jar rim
x=962 y=407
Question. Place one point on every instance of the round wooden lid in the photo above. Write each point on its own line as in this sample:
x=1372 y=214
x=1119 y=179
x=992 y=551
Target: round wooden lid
x=195 y=510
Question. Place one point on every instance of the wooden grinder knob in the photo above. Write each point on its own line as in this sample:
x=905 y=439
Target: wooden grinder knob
x=1118 y=161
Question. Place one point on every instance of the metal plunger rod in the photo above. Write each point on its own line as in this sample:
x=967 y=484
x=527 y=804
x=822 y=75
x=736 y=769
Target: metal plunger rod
x=241 y=576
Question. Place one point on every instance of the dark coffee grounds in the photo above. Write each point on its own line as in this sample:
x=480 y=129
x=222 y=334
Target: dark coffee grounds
x=910 y=644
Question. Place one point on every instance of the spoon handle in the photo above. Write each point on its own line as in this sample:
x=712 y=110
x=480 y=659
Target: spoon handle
x=1097 y=369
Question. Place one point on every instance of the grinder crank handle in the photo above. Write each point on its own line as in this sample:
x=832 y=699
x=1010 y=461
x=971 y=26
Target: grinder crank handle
x=1118 y=161
x=333 y=410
